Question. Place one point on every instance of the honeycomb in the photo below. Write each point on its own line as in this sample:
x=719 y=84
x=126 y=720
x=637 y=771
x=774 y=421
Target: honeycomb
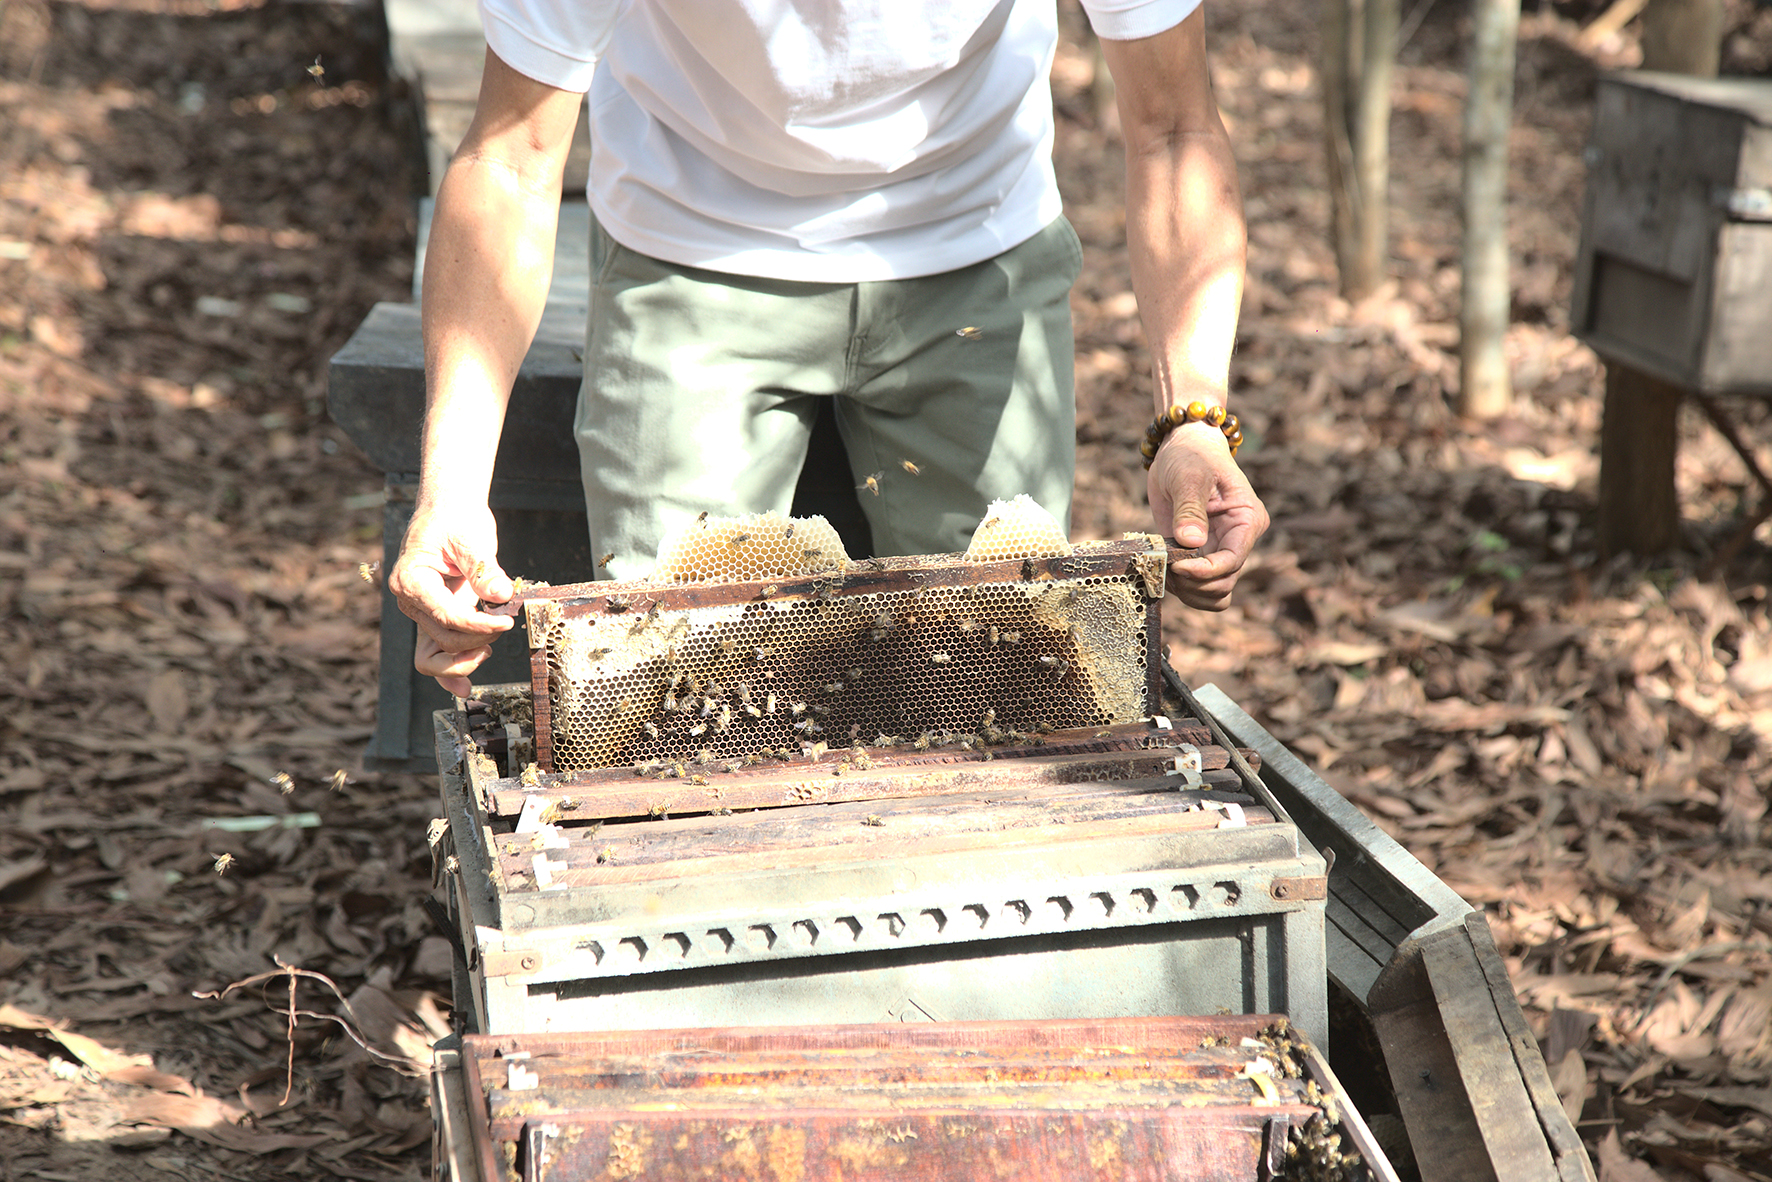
x=670 y=679
x=1017 y=528
x=760 y=546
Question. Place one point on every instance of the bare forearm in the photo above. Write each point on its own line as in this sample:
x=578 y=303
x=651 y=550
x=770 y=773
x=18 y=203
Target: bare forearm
x=1186 y=242
x=487 y=268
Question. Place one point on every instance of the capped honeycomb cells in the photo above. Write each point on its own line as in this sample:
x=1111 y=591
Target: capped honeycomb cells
x=758 y=546
x=738 y=682
x=1017 y=528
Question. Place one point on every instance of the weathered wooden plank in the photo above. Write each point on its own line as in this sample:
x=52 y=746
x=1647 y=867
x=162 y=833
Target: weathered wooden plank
x=1502 y=1108
x=1565 y=1142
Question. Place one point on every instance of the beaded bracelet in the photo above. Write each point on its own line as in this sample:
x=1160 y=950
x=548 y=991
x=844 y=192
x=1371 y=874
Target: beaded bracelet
x=1193 y=412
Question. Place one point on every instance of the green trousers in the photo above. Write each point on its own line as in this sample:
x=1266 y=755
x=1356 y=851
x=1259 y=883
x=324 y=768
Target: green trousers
x=701 y=388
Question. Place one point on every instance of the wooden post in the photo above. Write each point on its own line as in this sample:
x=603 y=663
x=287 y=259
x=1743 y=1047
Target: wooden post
x=1486 y=390
x=1639 y=511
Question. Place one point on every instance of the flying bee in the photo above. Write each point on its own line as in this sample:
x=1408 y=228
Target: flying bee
x=670 y=703
x=724 y=720
x=872 y=483
x=769 y=703
x=369 y=571
x=705 y=756
x=651 y=728
x=283 y=782
x=797 y=708
x=855 y=674
x=751 y=709
x=968 y=625
x=726 y=647
x=910 y=467
x=339 y=780
x=872 y=819
x=770 y=590
x=607 y=856
x=603 y=562
x=811 y=553
x=699 y=729
x=317 y=71
x=222 y=862
x=833 y=687
x=1011 y=638
x=970 y=333
x=702 y=517
x=597 y=654
x=939 y=658
x=761 y=652
x=738 y=540
x=788 y=533
x=1048 y=660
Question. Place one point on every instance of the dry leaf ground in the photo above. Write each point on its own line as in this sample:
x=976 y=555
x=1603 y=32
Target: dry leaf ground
x=191 y=223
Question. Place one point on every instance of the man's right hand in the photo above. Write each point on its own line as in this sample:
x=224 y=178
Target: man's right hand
x=448 y=565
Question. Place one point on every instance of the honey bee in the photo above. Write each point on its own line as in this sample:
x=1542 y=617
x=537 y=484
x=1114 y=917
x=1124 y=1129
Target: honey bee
x=618 y=605
x=738 y=540
x=369 y=571
x=811 y=553
x=968 y=625
x=990 y=717
x=283 y=782
x=761 y=652
x=872 y=483
x=339 y=779
x=770 y=590
x=597 y=654
x=606 y=857
x=833 y=687
x=222 y=862
x=670 y=702
x=922 y=743
x=1011 y=638
x=970 y=333
x=724 y=720
x=873 y=819
x=910 y=467
x=603 y=562
x=651 y=728
x=855 y=674
x=797 y=708
x=699 y=729
x=1027 y=570
x=1048 y=660
x=769 y=703
x=788 y=533
x=939 y=658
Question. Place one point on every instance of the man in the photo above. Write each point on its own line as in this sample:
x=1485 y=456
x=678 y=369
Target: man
x=822 y=198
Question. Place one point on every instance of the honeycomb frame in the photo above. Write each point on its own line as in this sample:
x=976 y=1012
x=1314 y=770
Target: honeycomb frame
x=671 y=675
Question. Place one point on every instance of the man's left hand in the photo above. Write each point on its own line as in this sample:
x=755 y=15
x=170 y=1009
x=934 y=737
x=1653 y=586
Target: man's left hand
x=1200 y=497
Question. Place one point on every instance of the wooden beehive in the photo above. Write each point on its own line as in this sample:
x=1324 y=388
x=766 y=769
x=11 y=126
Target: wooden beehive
x=1676 y=249
x=1213 y=1099
x=1114 y=870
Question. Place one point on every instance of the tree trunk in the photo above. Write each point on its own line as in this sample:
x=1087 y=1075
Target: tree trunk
x=1358 y=56
x=1486 y=390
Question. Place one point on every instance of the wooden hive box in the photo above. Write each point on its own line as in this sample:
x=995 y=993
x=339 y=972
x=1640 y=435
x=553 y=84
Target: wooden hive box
x=1675 y=263
x=1214 y=1099
x=1115 y=871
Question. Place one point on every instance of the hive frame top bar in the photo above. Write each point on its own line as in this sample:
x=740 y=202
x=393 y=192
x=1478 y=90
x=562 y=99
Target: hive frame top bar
x=1138 y=562
x=1145 y=556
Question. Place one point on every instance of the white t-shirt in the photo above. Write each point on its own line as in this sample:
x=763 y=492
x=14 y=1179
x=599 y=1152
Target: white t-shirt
x=834 y=141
